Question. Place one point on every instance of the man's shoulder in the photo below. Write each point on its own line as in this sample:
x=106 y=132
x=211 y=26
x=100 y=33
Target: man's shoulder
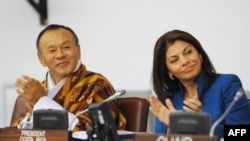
x=93 y=77
x=93 y=74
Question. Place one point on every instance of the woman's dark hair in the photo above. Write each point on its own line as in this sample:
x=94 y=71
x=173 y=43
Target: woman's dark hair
x=162 y=84
x=52 y=27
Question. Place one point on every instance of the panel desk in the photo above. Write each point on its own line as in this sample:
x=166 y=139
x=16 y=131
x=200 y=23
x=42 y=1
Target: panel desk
x=12 y=134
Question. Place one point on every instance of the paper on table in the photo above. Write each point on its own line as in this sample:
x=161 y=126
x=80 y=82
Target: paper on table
x=83 y=134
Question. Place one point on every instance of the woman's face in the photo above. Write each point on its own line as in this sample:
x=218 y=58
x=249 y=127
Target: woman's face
x=183 y=61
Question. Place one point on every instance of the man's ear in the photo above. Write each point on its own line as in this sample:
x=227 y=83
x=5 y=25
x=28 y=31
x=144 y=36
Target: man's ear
x=79 y=52
x=40 y=57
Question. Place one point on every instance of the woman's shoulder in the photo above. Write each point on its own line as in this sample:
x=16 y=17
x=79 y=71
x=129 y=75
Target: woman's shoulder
x=227 y=81
x=228 y=77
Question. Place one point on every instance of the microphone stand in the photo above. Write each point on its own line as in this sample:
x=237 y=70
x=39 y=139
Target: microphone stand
x=90 y=132
x=103 y=125
x=238 y=95
x=114 y=96
x=102 y=122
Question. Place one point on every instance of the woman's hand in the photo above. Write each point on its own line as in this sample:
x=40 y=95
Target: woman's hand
x=159 y=110
x=192 y=104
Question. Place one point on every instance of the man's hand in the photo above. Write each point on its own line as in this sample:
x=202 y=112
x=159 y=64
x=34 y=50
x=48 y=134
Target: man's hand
x=30 y=89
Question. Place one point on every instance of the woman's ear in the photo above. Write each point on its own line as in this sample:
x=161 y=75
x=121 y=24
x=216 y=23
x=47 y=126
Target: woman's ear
x=201 y=58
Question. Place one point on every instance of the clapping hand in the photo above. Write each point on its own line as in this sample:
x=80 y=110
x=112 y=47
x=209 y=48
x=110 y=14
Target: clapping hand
x=159 y=110
x=31 y=90
x=192 y=104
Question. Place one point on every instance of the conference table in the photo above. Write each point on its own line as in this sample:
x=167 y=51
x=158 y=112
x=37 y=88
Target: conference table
x=13 y=134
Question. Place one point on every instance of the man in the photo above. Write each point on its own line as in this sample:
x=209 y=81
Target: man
x=68 y=84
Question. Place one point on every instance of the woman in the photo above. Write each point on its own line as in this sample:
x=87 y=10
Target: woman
x=185 y=79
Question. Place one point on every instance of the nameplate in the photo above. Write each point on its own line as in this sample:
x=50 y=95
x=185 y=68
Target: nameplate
x=12 y=134
x=173 y=137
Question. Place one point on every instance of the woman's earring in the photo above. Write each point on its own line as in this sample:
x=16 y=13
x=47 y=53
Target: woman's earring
x=171 y=76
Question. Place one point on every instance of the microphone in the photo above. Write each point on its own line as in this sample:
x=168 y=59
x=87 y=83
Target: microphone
x=112 y=97
x=237 y=96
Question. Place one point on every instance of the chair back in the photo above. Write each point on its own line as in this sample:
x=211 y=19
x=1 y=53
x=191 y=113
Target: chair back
x=135 y=110
x=19 y=109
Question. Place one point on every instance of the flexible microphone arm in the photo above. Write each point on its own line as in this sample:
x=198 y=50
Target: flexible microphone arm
x=112 y=97
x=238 y=95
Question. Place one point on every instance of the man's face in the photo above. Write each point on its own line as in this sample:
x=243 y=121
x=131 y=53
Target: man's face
x=59 y=52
